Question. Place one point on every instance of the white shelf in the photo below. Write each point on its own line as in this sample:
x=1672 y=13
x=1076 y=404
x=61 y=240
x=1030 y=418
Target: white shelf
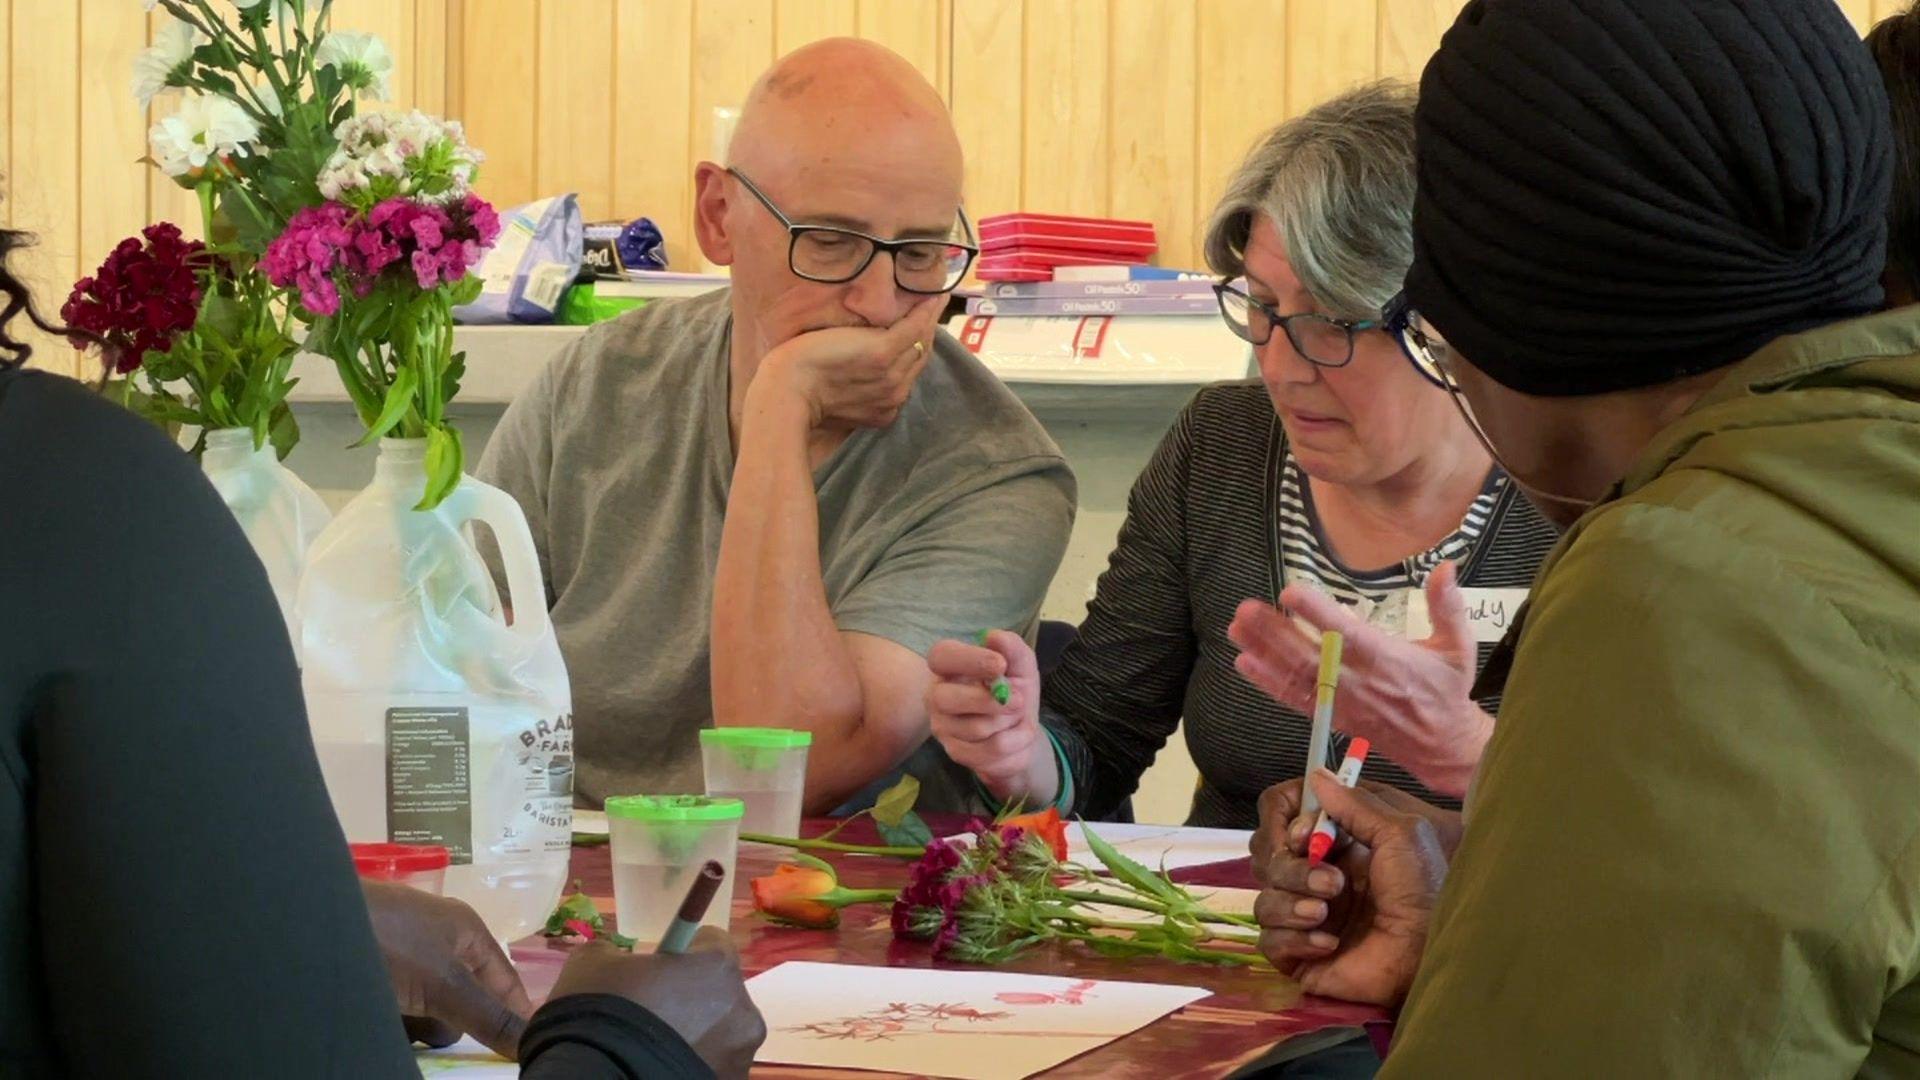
x=502 y=360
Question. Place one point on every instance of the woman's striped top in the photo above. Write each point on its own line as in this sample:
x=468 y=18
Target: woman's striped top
x=1304 y=555
x=1207 y=528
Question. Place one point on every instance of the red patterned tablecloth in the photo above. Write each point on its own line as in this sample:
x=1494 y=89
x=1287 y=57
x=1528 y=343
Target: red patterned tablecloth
x=1248 y=1013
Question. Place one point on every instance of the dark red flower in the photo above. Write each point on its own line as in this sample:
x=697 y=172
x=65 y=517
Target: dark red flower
x=936 y=886
x=141 y=298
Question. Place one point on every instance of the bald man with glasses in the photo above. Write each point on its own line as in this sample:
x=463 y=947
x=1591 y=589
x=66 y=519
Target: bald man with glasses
x=761 y=507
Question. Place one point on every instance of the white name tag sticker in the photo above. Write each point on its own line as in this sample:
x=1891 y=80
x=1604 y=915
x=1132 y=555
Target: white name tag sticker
x=1490 y=613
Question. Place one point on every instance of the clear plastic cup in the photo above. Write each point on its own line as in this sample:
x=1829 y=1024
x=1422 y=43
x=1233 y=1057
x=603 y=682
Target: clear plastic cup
x=765 y=768
x=659 y=844
x=422 y=866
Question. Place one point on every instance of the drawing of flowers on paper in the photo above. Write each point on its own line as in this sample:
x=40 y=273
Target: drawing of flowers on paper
x=986 y=1024
x=1072 y=995
x=896 y=1019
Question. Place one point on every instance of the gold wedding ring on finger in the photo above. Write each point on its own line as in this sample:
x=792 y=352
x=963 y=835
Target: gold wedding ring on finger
x=919 y=350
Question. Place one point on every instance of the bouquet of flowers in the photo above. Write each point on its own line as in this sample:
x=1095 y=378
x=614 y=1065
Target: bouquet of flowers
x=1005 y=887
x=353 y=232
x=191 y=332
x=379 y=267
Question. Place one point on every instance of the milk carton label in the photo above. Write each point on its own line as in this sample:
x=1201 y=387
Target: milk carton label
x=540 y=771
x=429 y=780
x=490 y=784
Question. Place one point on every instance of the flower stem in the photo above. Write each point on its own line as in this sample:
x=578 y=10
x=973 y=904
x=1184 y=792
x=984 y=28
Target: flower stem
x=848 y=897
x=1157 y=907
x=829 y=845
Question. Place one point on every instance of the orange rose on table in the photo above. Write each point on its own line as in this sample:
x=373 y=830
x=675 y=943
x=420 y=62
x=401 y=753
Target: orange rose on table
x=792 y=896
x=1046 y=825
x=808 y=895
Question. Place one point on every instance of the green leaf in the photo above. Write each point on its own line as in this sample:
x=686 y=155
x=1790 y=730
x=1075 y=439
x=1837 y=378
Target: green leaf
x=450 y=382
x=895 y=803
x=284 y=431
x=578 y=906
x=222 y=317
x=1116 y=946
x=328 y=84
x=217 y=81
x=446 y=460
x=909 y=831
x=1128 y=870
x=399 y=400
x=816 y=863
x=467 y=290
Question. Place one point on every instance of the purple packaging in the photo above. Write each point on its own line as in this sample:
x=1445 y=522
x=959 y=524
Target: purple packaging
x=537 y=257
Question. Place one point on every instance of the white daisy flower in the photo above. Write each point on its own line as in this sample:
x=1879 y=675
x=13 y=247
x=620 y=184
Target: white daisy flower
x=361 y=59
x=172 y=49
x=206 y=128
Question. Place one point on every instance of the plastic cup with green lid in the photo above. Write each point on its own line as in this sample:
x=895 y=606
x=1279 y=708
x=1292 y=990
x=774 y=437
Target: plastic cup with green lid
x=765 y=768
x=659 y=843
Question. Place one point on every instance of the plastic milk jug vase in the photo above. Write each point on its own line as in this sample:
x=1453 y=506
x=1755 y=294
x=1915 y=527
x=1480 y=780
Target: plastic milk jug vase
x=436 y=721
x=280 y=515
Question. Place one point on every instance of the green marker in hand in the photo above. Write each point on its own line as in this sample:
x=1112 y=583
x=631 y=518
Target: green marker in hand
x=1002 y=692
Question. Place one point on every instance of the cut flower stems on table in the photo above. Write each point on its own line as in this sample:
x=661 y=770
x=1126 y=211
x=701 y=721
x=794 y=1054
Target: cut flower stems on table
x=1010 y=887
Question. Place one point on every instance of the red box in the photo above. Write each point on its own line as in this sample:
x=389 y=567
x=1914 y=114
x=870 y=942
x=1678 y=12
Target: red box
x=1112 y=239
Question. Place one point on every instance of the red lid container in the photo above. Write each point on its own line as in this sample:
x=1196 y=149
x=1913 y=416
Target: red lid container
x=389 y=861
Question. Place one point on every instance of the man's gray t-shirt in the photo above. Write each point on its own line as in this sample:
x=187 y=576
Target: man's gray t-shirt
x=950 y=521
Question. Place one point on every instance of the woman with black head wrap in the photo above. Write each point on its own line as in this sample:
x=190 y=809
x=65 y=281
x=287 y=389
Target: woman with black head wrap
x=1895 y=45
x=1648 y=244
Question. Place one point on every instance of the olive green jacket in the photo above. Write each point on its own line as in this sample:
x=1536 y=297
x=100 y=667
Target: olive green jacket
x=1691 y=848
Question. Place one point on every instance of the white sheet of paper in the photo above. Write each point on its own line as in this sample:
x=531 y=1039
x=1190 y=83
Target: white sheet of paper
x=1157 y=846
x=590 y=821
x=972 y=1025
x=1223 y=901
x=1168 y=847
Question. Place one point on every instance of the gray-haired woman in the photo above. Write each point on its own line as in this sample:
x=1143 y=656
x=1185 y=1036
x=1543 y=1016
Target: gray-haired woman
x=1342 y=476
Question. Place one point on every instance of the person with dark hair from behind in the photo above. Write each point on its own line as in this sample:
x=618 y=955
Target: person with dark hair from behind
x=175 y=893
x=1895 y=45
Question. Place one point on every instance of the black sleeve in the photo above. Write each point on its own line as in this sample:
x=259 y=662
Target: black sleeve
x=194 y=911
x=604 y=1037
x=1119 y=690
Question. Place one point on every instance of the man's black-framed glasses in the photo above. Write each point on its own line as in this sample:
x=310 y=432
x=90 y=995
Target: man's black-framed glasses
x=1425 y=349
x=832 y=255
x=1319 y=339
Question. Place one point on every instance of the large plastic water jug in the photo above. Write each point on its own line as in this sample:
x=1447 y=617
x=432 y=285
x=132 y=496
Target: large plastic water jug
x=436 y=721
x=280 y=515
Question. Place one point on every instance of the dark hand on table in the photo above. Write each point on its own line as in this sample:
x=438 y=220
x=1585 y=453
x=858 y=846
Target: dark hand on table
x=699 y=994
x=1354 y=926
x=448 y=973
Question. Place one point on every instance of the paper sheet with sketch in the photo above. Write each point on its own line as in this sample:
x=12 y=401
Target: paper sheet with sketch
x=971 y=1025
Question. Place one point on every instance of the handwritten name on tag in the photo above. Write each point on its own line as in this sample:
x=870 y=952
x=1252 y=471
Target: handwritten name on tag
x=1490 y=613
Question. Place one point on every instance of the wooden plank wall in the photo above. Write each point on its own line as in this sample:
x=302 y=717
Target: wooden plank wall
x=74 y=134
x=1134 y=108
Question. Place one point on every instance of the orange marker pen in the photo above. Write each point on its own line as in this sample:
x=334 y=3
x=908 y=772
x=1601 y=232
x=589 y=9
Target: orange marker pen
x=1321 y=841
